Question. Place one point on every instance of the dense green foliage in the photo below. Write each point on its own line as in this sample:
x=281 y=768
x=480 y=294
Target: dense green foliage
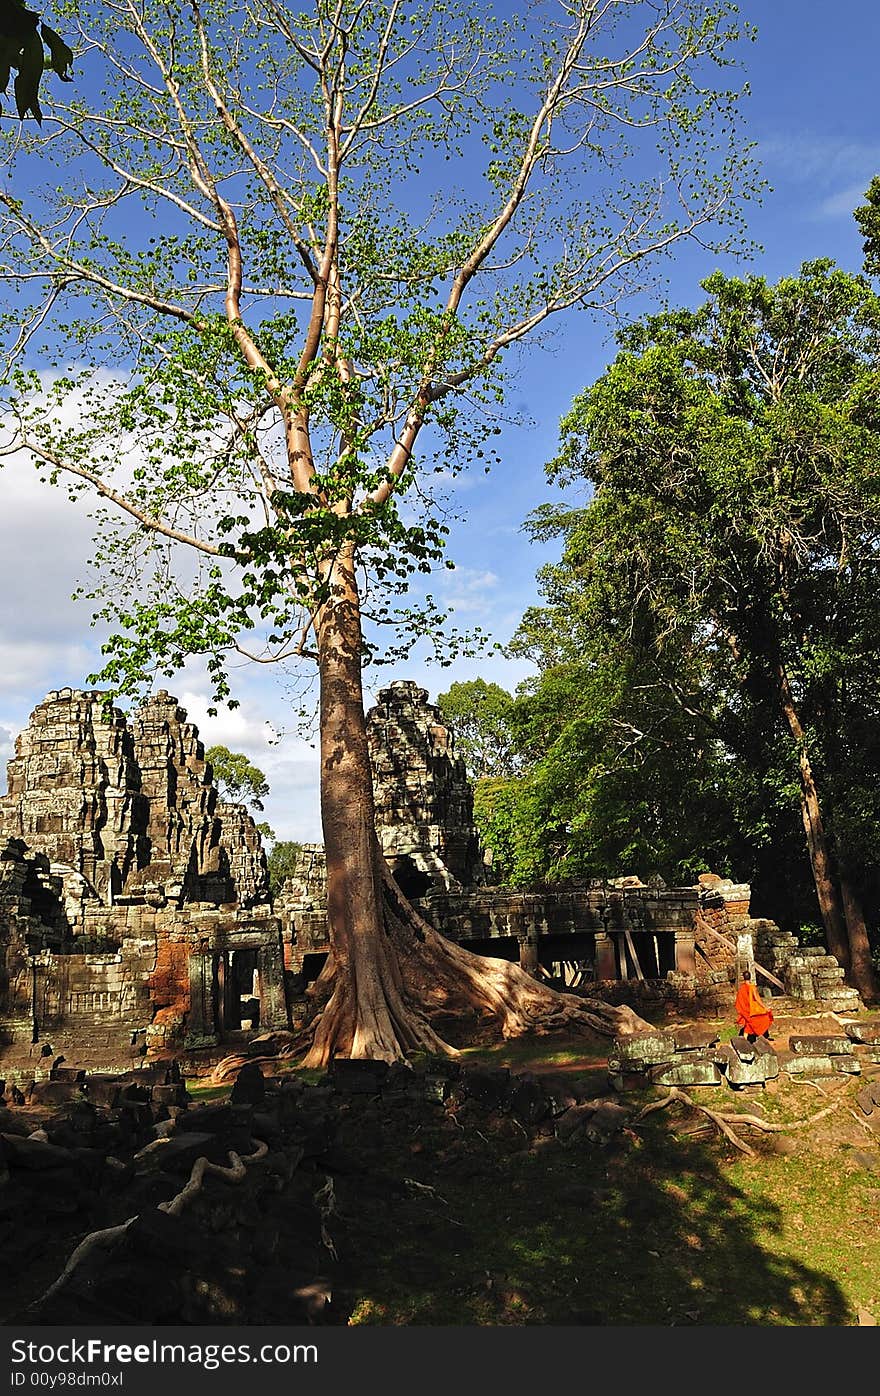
x=282 y=860
x=238 y=778
x=727 y=553
x=480 y=714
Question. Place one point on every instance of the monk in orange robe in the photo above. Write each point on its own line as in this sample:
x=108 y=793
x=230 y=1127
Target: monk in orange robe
x=752 y=1015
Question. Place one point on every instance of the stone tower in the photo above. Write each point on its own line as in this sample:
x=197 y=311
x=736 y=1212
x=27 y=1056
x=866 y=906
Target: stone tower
x=424 y=801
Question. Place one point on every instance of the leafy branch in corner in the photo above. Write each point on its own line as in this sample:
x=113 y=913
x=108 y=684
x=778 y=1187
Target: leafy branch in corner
x=24 y=39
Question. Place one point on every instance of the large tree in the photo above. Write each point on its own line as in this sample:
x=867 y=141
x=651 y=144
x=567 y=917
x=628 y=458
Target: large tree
x=286 y=256
x=732 y=452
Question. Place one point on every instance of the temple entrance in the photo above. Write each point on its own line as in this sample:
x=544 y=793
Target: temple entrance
x=237 y=991
x=412 y=881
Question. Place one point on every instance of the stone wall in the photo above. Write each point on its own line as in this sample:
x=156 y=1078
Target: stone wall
x=134 y=906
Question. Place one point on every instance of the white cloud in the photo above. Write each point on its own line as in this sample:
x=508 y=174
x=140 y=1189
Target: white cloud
x=839 y=170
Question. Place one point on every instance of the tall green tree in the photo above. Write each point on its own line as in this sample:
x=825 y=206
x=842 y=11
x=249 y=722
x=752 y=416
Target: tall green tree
x=238 y=778
x=480 y=715
x=732 y=452
x=281 y=270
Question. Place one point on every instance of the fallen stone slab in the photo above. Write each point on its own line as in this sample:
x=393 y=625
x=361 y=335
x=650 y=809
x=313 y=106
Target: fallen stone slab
x=572 y=1121
x=865 y=1099
x=21 y=1151
x=357 y=1076
x=67 y=1073
x=867 y=1032
x=623 y=1081
x=607 y=1119
x=827 y=1045
x=739 y=1071
x=649 y=1048
x=178 y=1152
x=114 y=1091
x=690 y=1039
x=800 y=1064
x=745 y=1050
x=847 y=1066
x=696 y=1073
x=55 y=1092
x=175 y=1093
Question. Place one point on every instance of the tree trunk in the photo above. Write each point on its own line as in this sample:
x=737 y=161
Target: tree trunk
x=862 y=966
x=389 y=972
x=814 y=828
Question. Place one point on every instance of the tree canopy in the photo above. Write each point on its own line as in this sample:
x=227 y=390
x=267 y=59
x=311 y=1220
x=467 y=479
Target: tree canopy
x=480 y=714
x=265 y=306
x=730 y=548
x=238 y=778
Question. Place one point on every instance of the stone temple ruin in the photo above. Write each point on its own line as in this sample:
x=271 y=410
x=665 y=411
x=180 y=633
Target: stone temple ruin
x=135 y=914
x=133 y=901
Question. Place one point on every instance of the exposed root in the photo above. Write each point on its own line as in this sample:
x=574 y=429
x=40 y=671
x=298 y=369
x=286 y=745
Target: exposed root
x=725 y=1122
x=422 y=977
x=203 y=1168
x=231 y=1066
x=325 y=1199
x=96 y=1240
x=110 y=1236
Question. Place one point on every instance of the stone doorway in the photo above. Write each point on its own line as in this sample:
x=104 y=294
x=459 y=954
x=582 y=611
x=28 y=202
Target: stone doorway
x=237 y=990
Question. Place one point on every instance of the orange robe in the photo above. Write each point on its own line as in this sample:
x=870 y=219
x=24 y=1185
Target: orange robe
x=752 y=1015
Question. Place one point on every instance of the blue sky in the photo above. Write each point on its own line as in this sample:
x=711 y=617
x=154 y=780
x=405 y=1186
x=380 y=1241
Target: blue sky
x=813 y=113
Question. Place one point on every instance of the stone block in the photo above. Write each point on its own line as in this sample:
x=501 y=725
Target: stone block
x=55 y=1092
x=178 y=1152
x=173 y=1094
x=357 y=1076
x=693 y=1039
x=683 y=1073
x=739 y=1071
x=867 y=1032
x=34 y=1154
x=623 y=1081
x=649 y=1048
x=799 y=1064
x=847 y=1066
x=743 y=1049
x=826 y=1045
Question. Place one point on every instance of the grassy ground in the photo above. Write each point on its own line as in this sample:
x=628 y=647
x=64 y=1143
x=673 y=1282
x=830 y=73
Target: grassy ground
x=674 y=1227
x=668 y=1225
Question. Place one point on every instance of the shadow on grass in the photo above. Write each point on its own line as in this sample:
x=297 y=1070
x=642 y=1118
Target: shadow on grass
x=651 y=1234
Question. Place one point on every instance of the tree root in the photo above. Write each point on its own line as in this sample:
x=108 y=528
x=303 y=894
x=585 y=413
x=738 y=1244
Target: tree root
x=725 y=1122
x=325 y=1198
x=203 y=1167
x=231 y=1065
x=423 y=977
x=96 y=1240
x=110 y=1236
